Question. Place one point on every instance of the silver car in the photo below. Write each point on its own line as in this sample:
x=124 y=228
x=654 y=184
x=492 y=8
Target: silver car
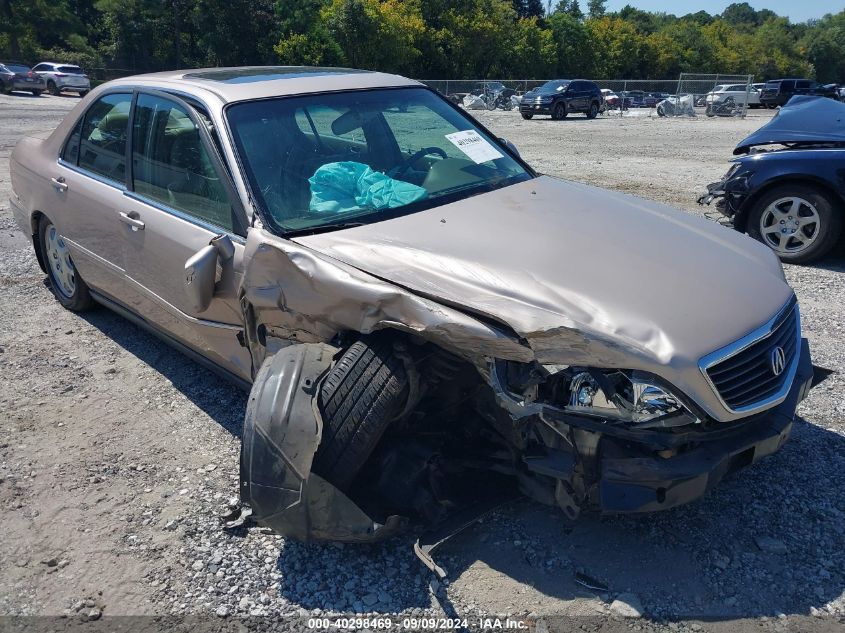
x=426 y=324
x=63 y=78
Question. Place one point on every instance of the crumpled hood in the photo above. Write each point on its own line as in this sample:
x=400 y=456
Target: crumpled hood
x=583 y=274
x=804 y=119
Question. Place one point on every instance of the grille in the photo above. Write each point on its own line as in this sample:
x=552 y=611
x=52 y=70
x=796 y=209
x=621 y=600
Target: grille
x=745 y=378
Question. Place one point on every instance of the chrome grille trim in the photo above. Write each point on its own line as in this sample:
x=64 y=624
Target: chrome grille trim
x=752 y=387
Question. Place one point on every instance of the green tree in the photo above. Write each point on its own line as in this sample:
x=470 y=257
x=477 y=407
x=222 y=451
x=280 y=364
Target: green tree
x=596 y=8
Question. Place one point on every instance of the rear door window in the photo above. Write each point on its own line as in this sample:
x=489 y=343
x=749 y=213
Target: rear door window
x=103 y=144
x=170 y=163
x=786 y=86
x=802 y=85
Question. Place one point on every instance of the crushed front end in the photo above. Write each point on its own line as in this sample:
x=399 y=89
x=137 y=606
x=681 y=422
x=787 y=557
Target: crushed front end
x=730 y=193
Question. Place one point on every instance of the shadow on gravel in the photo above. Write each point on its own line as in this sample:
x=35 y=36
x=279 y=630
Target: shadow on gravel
x=382 y=577
x=219 y=399
x=768 y=540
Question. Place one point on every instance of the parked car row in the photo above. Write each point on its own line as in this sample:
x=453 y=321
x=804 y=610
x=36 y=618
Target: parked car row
x=53 y=77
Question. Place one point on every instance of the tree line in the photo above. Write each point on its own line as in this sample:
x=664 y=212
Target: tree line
x=437 y=39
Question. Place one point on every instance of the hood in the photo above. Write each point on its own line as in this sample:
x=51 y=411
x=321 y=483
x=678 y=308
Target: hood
x=805 y=119
x=583 y=274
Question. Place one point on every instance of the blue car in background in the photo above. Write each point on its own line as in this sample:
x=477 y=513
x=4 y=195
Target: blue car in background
x=790 y=197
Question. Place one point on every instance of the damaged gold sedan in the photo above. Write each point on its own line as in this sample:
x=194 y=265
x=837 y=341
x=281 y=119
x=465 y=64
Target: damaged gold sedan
x=428 y=327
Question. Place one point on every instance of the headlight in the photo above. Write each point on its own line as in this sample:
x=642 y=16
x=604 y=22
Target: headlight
x=628 y=396
x=734 y=168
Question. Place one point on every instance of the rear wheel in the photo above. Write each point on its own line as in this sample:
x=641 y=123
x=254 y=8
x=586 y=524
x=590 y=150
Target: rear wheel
x=593 y=112
x=359 y=398
x=798 y=222
x=82 y=93
x=37 y=93
x=559 y=111
x=69 y=288
x=527 y=116
x=53 y=88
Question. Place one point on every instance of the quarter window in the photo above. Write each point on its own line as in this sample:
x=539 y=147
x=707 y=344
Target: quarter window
x=103 y=145
x=170 y=164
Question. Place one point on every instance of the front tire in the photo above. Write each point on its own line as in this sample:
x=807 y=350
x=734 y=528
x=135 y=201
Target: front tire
x=65 y=282
x=559 y=111
x=527 y=116
x=359 y=398
x=82 y=93
x=799 y=223
x=37 y=93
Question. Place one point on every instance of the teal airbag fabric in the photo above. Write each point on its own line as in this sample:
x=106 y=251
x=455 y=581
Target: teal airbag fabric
x=349 y=185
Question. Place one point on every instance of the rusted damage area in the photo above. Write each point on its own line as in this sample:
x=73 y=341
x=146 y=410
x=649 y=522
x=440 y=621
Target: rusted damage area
x=397 y=409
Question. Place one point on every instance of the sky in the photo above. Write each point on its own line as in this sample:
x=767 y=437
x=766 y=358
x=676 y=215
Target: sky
x=795 y=10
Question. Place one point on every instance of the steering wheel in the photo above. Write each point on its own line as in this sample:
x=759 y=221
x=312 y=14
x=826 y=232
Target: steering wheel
x=413 y=158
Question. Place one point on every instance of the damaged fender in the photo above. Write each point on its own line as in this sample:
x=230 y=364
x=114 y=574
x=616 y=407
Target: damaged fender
x=292 y=294
x=282 y=431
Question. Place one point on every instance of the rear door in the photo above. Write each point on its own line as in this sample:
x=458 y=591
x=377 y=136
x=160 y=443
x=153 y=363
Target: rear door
x=88 y=184
x=181 y=198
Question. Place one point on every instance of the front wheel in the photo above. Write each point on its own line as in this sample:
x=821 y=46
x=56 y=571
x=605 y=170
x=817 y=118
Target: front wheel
x=82 y=93
x=798 y=222
x=66 y=284
x=527 y=116
x=361 y=395
x=559 y=111
x=36 y=93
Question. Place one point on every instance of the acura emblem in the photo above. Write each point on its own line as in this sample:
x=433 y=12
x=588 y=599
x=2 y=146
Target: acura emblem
x=778 y=361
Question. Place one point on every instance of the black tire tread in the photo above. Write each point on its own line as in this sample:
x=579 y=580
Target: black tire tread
x=359 y=398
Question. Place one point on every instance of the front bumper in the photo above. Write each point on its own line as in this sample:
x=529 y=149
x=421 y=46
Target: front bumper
x=536 y=108
x=645 y=483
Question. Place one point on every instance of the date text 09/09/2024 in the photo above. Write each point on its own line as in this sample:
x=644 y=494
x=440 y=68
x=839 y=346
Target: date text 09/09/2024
x=382 y=623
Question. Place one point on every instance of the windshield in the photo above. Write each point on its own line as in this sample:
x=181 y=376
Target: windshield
x=553 y=86
x=325 y=161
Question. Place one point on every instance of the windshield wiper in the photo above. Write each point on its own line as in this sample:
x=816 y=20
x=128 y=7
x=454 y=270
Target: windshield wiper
x=323 y=228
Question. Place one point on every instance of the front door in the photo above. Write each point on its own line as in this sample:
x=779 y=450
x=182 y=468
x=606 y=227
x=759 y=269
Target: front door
x=178 y=196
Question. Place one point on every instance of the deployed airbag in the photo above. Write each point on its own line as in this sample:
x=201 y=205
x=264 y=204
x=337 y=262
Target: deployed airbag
x=346 y=186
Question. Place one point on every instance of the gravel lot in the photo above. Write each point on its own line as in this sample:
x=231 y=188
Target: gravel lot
x=117 y=454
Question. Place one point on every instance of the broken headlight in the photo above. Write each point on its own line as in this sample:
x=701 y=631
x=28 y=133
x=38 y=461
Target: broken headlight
x=628 y=396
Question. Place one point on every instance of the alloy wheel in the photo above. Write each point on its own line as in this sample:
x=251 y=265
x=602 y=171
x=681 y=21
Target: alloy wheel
x=790 y=225
x=62 y=271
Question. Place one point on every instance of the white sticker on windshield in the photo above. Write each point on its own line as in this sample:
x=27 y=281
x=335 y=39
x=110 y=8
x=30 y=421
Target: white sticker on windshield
x=474 y=145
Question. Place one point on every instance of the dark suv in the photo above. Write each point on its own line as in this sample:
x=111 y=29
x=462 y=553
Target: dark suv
x=559 y=97
x=778 y=91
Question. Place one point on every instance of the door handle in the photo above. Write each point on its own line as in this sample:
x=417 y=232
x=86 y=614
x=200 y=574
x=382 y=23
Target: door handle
x=134 y=222
x=59 y=183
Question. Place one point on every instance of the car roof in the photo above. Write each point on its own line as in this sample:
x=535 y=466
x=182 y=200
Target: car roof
x=58 y=64
x=257 y=82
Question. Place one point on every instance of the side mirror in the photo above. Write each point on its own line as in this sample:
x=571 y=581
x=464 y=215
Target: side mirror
x=509 y=145
x=201 y=271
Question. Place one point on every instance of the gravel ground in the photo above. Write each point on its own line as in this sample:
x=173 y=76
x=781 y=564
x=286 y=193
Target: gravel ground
x=117 y=454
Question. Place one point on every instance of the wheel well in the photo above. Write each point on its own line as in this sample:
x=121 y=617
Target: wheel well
x=34 y=221
x=741 y=218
